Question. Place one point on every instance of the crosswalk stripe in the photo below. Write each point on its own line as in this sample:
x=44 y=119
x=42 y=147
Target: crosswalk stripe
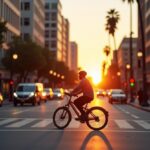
x=7 y=121
x=142 y=123
x=74 y=124
x=42 y=123
x=20 y=123
x=123 y=124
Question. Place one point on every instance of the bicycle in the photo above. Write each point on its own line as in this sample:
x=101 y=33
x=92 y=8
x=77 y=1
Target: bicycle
x=96 y=117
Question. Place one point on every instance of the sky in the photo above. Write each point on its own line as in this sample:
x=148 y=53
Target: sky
x=87 y=28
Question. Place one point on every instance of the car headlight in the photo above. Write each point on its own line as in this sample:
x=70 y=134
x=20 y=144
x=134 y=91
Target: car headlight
x=31 y=94
x=59 y=95
x=15 y=95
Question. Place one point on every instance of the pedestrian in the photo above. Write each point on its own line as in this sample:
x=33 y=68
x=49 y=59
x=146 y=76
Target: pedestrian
x=140 y=96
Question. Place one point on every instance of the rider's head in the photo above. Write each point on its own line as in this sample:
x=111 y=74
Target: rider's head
x=82 y=74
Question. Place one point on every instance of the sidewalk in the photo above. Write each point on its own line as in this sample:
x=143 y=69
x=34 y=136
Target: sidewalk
x=136 y=104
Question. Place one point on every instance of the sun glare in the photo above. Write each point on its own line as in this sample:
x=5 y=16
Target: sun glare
x=96 y=78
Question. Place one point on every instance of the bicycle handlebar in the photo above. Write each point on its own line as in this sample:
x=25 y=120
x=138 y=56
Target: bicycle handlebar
x=66 y=93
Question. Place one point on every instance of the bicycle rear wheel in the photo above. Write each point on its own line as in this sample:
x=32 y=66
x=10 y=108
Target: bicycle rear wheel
x=61 y=117
x=97 y=118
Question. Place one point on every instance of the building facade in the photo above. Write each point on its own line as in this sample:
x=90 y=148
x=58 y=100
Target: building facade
x=74 y=56
x=124 y=60
x=53 y=27
x=145 y=5
x=32 y=20
x=9 y=12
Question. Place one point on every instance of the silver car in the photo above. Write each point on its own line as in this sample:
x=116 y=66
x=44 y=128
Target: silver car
x=117 y=95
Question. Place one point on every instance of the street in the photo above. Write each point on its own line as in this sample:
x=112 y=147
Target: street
x=28 y=127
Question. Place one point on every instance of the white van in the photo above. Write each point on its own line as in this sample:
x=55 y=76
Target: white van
x=28 y=93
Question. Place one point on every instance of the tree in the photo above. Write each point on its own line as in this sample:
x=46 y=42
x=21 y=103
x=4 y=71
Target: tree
x=30 y=57
x=112 y=19
x=3 y=29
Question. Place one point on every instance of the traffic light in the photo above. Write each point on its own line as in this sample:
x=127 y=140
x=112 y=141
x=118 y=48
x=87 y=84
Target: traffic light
x=11 y=82
x=132 y=82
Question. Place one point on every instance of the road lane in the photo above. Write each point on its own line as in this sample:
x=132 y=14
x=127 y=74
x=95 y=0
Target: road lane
x=34 y=129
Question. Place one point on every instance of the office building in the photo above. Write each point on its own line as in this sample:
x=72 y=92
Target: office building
x=32 y=20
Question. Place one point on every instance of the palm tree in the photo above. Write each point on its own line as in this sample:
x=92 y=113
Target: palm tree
x=111 y=25
x=107 y=50
x=143 y=44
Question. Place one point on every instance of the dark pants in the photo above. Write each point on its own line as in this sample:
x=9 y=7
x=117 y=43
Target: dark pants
x=79 y=102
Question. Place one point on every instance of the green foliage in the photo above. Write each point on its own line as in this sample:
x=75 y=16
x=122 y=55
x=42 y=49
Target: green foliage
x=30 y=56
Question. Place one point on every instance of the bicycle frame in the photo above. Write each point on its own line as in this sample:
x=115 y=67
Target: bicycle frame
x=70 y=103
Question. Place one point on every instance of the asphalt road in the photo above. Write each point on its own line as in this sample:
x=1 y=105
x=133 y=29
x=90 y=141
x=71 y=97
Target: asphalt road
x=31 y=128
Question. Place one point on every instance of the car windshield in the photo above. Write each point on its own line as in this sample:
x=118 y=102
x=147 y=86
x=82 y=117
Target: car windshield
x=46 y=90
x=56 y=90
x=26 y=88
x=117 y=92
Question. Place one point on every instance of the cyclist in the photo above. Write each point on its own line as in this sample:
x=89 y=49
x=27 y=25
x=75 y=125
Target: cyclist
x=88 y=94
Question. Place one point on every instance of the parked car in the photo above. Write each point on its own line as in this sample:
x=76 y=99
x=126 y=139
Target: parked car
x=117 y=95
x=1 y=99
x=58 y=93
x=49 y=93
x=28 y=93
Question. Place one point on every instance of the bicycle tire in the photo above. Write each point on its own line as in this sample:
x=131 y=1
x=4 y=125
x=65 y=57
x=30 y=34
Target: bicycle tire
x=90 y=111
x=56 y=122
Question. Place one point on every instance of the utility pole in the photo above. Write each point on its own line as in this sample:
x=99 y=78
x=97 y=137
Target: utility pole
x=131 y=54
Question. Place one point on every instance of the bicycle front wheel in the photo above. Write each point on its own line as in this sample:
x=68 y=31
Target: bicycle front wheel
x=61 y=117
x=97 y=118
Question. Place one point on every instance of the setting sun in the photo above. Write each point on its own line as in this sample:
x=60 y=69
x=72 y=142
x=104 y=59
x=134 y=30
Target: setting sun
x=96 y=77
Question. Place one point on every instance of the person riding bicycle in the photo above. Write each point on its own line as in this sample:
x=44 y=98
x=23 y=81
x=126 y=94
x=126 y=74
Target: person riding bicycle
x=88 y=94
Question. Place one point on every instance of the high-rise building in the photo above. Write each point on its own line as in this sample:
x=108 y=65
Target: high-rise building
x=74 y=56
x=10 y=12
x=124 y=59
x=53 y=27
x=145 y=8
x=56 y=31
x=32 y=20
x=65 y=40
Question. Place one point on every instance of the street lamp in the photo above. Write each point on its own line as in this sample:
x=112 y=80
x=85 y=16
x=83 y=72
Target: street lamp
x=14 y=57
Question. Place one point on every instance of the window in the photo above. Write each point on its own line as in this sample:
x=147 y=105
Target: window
x=54 y=16
x=47 y=6
x=26 y=21
x=47 y=44
x=53 y=34
x=47 y=33
x=53 y=44
x=53 y=25
x=26 y=6
x=54 y=5
x=47 y=16
x=46 y=25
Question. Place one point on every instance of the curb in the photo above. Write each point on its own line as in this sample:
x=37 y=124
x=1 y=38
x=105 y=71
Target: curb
x=139 y=107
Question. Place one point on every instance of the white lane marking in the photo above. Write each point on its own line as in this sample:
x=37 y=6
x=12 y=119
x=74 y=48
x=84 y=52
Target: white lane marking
x=42 y=123
x=20 y=123
x=7 y=121
x=19 y=112
x=74 y=124
x=123 y=124
x=143 y=124
x=134 y=116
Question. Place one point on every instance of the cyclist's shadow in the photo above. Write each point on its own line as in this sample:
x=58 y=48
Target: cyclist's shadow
x=93 y=134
